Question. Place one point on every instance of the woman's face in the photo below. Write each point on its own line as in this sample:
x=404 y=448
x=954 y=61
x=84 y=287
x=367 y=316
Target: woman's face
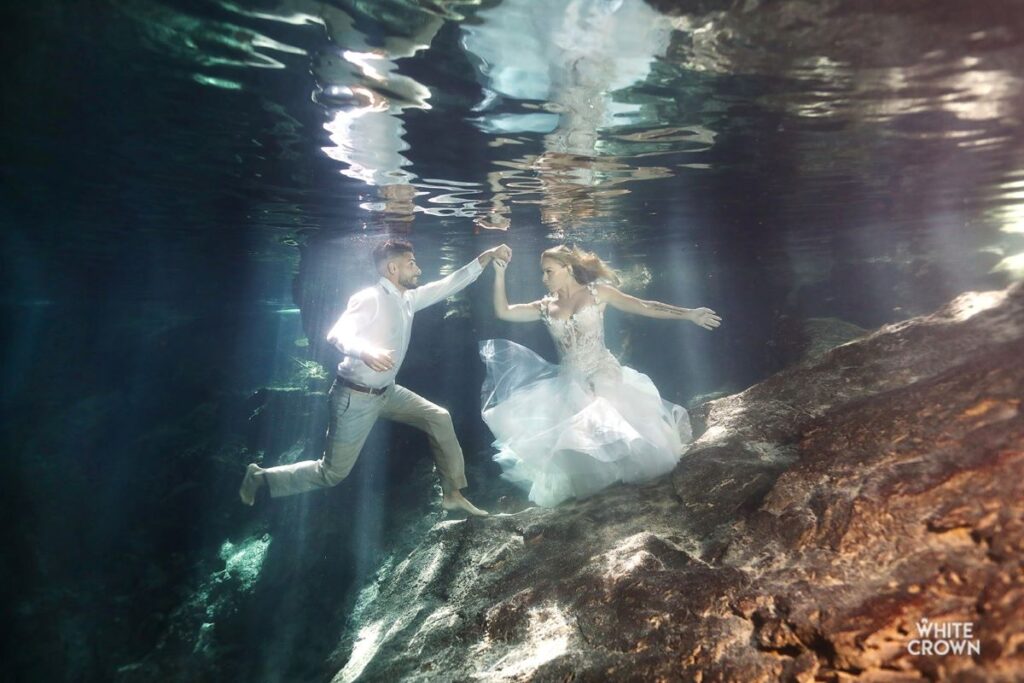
x=554 y=275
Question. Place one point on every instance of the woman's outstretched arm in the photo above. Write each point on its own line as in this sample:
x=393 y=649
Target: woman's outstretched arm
x=701 y=317
x=517 y=313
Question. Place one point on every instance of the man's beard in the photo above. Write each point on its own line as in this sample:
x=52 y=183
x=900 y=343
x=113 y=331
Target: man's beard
x=409 y=284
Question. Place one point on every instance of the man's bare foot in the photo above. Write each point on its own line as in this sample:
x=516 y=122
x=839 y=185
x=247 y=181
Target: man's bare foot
x=456 y=501
x=251 y=484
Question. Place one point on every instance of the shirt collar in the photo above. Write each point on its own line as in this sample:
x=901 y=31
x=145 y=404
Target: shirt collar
x=389 y=286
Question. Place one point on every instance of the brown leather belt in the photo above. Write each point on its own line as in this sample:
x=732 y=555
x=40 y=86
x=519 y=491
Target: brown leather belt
x=359 y=387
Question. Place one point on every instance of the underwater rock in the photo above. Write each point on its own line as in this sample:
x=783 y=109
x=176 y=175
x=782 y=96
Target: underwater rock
x=857 y=517
x=797 y=341
x=269 y=601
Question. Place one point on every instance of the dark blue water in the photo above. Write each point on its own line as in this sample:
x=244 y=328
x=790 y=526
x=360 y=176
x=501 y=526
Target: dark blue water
x=189 y=191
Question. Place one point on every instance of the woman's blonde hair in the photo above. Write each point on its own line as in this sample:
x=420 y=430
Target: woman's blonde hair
x=586 y=266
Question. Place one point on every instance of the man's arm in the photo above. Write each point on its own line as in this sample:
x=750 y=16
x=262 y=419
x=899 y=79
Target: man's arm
x=360 y=312
x=432 y=292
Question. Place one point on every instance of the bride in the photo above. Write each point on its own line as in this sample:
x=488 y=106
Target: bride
x=572 y=429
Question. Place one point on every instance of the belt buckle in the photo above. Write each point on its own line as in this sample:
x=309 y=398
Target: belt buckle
x=361 y=388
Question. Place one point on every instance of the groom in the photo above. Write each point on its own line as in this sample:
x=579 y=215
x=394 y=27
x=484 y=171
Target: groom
x=373 y=334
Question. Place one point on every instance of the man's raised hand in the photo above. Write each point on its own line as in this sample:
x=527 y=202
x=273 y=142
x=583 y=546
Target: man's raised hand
x=499 y=253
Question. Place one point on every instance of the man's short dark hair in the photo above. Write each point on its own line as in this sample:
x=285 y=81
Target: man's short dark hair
x=387 y=250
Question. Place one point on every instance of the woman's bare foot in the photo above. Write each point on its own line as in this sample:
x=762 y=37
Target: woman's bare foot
x=251 y=483
x=456 y=501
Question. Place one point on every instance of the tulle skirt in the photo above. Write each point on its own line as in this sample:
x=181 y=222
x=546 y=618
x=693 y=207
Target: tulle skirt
x=562 y=434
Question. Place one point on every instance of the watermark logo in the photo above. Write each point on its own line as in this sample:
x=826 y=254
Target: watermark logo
x=944 y=638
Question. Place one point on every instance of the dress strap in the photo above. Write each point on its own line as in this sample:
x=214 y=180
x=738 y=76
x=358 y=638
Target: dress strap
x=544 y=315
x=592 y=288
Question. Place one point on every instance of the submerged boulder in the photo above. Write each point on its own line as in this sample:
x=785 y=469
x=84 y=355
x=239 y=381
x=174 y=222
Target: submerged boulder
x=859 y=516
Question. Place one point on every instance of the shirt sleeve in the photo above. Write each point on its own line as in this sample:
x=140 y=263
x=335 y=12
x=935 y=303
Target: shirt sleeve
x=360 y=312
x=432 y=292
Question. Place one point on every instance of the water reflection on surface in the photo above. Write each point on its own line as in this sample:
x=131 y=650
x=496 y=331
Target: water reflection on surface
x=856 y=131
x=577 y=101
x=572 y=57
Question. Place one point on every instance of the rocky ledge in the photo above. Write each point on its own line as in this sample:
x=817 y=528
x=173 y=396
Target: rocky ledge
x=859 y=516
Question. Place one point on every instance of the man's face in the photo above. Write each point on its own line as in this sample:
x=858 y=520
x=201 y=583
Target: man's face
x=408 y=273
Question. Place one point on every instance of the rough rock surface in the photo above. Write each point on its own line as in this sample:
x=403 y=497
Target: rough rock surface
x=820 y=517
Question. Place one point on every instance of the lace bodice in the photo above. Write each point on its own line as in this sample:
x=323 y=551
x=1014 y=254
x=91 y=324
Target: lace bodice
x=580 y=337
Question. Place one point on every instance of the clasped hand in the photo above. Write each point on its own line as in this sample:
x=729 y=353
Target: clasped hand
x=500 y=256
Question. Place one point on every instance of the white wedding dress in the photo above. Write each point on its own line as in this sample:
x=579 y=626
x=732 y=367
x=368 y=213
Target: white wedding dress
x=570 y=430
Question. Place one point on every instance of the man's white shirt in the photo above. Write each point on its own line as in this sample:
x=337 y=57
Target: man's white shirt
x=380 y=317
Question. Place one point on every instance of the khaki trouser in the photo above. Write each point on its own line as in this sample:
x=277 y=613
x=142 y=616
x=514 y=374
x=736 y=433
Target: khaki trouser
x=353 y=414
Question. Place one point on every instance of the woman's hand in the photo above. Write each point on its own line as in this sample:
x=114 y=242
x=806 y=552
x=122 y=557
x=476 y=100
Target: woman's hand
x=706 y=318
x=500 y=265
x=500 y=252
